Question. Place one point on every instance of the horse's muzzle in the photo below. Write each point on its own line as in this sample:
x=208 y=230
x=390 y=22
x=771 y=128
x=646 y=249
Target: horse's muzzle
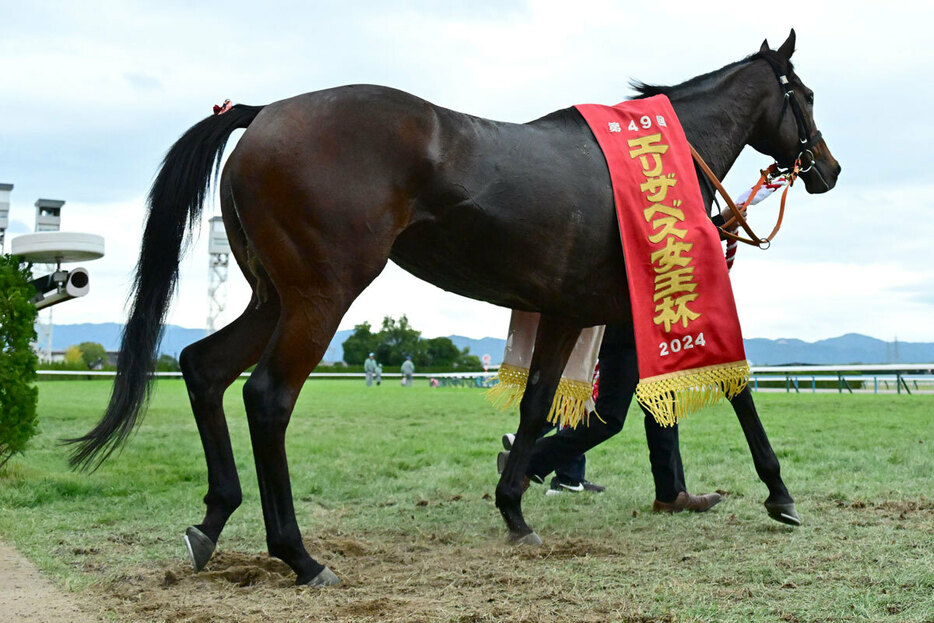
x=824 y=170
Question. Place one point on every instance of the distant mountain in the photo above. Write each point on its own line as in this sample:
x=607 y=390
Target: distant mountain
x=846 y=349
x=174 y=339
x=108 y=334
x=335 y=351
x=492 y=346
x=850 y=348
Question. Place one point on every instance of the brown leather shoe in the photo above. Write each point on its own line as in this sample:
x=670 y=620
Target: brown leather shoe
x=687 y=502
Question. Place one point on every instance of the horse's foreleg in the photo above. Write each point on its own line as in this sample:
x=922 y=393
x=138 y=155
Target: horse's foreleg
x=209 y=366
x=779 y=504
x=553 y=345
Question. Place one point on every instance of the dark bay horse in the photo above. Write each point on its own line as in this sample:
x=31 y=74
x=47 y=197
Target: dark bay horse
x=324 y=188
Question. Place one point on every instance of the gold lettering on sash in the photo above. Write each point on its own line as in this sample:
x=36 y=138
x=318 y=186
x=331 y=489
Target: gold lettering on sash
x=674 y=275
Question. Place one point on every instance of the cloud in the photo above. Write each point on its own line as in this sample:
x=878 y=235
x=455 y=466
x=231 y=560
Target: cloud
x=142 y=82
x=17 y=227
x=91 y=105
x=814 y=300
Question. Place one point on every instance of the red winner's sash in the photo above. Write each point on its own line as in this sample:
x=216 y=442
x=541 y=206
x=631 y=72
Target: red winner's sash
x=688 y=339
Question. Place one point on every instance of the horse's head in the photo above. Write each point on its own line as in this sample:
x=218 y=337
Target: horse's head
x=786 y=130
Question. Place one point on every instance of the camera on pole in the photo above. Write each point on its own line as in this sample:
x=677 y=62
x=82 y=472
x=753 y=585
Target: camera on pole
x=52 y=248
x=62 y=285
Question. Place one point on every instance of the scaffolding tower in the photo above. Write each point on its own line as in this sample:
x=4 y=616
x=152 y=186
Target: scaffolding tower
x=218 y=262
x=48 y=218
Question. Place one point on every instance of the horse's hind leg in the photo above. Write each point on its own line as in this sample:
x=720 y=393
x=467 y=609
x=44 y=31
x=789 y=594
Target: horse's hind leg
x=297 y=345
x=779 y=504
x=322 y=213
x=316 y=283
x=209 y=366
x=553 y=345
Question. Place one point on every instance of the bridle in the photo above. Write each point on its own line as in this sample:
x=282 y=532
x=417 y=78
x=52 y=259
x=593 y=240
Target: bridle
x=807 y=141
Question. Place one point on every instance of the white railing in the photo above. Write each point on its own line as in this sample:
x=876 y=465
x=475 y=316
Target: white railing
x=320 y=375
x=863 y=378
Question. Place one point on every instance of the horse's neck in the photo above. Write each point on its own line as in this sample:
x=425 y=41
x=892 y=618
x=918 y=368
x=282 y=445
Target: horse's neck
x=719 y=117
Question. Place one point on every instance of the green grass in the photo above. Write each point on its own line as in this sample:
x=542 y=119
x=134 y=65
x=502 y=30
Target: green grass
x=393 y=464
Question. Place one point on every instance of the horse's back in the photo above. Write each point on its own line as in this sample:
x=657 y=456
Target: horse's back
x=523 y=213
x=519 y=215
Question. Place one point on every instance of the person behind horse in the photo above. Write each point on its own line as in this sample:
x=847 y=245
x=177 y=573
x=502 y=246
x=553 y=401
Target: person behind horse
x=408 y=369
x=569 y=477
x=563 y=452
x=371 y=368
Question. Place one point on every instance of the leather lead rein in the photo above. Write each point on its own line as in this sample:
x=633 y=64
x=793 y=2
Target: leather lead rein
x=737 y=219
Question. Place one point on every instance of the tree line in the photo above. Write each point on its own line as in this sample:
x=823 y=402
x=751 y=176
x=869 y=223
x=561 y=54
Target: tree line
x=397 y=339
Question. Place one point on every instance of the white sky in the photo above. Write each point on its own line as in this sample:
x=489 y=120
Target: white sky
x=93 y=93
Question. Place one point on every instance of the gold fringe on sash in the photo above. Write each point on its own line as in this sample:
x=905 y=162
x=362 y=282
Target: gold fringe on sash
x=569 y=407
x=671 y=397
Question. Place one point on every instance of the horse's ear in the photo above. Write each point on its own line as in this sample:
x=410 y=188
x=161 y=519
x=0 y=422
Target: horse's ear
x=788 y=48
x=765 y=46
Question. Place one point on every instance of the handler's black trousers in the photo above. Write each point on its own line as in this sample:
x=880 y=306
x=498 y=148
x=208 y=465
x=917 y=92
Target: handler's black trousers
x=619 y=374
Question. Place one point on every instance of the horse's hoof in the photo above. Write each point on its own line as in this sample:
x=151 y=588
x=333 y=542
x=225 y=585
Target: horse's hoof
x=531 y=539
x=200 y=547
x=784 y=513
x=325 y=578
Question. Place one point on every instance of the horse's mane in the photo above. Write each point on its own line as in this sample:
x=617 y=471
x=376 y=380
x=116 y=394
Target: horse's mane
x=644 y=90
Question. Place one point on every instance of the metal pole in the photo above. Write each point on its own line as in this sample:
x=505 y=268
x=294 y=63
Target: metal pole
x=5 y=190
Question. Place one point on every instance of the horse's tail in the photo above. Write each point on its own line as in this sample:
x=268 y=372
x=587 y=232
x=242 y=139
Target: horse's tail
x=175 y=203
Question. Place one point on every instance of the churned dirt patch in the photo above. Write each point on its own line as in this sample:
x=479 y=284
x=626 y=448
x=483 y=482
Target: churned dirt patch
x=391 y=579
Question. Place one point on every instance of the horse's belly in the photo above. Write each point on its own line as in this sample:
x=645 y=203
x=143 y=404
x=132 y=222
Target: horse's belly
x=538 y=266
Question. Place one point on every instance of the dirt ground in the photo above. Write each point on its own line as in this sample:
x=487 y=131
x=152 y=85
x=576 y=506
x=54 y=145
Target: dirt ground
x=27 y=597
x=420 y=579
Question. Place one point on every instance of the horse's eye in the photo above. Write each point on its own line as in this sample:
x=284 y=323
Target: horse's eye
x=810 y=99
